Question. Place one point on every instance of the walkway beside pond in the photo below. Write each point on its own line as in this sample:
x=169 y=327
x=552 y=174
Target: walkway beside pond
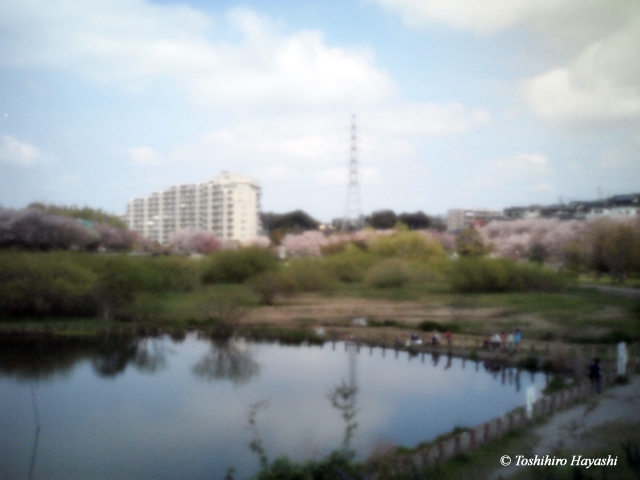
x=578 y=429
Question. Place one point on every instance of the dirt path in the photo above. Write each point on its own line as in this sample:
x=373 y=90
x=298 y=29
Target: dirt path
x=619 y=291
x=573 y=430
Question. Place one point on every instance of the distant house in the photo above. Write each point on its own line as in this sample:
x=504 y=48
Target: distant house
x=460 y=218
x=615 y=206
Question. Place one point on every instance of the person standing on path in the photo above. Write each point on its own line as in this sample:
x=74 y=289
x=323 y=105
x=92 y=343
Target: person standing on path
x=595 y=374
x=517 y=336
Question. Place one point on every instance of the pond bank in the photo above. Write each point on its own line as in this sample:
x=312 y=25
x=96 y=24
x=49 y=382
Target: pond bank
x=551 y=356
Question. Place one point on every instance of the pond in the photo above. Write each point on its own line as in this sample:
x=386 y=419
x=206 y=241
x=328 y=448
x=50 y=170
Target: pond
x=163 y=408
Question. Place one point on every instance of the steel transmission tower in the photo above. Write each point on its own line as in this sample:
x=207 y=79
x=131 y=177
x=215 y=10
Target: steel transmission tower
x=353 y=219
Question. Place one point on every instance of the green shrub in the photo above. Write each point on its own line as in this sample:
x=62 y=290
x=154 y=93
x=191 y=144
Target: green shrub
x=267 y=286
x=306 y=275
x=556 y=384
x=169 y=274
x=474 y=275
x=236 y=266
x=146 y=274
x=389 y=273
x=469 y=243
x=622 y=380
x=429 y=326
x=41 y=284
x=350 y=265
x=408 y=246
x=226 y=309
x=84 y=284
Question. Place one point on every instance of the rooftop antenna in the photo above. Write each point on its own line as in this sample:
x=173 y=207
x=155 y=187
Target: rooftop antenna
x=352 y=219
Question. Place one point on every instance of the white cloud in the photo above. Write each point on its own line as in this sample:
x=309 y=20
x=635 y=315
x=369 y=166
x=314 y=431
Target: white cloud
x=601 y=84
x=129 y=43
x=578 y=19
x=14 y=152
x=384 y=133
x=144 y=156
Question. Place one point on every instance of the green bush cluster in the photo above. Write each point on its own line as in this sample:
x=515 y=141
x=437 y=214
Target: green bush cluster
x=408 y=246
x=389 y=273
x=307 y=275
x=476 y=275
x=146 y=274
x=300 y=275
x=336 y=465
x=350 y=265
x=236 y=266
x=40 y=284
x=83 y=284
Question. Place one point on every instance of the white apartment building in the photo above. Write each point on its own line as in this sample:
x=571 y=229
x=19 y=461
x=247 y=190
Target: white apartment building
x=228 y=205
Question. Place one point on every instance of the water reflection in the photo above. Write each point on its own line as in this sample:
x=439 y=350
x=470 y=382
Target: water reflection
x=41 y=359
x=343 y=397
x=114 y=355
x=227 y=359
x=34 y=451
x=153 y=408
x=46 y=358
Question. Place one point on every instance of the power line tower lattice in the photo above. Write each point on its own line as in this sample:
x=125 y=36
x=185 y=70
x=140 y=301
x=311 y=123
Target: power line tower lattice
x=353 y=219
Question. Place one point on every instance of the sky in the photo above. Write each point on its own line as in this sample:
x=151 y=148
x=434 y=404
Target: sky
x=458 y=103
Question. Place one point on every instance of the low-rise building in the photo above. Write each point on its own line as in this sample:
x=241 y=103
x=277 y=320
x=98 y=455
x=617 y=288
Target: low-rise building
x=460 y=218
x=615 y=206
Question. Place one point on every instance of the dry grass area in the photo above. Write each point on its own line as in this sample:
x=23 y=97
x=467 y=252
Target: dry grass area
x=337 y=310
x=561 y=330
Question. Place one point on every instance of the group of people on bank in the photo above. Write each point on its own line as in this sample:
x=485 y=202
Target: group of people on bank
x=504 y=341
x=435 y=339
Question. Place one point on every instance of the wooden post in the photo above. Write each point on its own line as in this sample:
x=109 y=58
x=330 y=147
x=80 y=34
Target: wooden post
x=472 y=439
x=487 y=433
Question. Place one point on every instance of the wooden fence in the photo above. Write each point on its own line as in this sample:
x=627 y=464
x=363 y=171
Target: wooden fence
x=437 y=453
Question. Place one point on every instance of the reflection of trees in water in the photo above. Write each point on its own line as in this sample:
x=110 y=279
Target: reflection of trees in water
x=41 y=358
x=146 y=354
x=151 y=355
x=113 y=356
x=227 y=360
x=44 y=358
